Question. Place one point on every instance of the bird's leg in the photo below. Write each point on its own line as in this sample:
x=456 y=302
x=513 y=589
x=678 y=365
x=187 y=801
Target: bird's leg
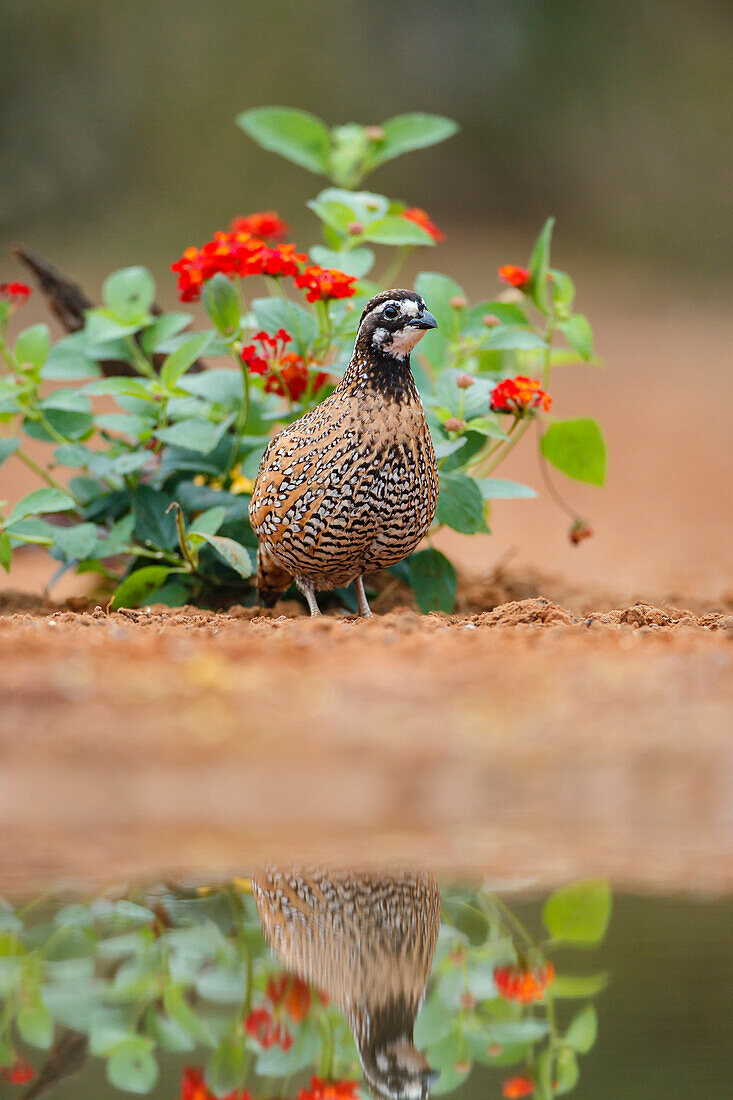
x=364 y=609
x=309 y=593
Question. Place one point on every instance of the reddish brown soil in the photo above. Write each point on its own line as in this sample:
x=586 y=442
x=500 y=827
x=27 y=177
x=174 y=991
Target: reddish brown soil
x=537 y=739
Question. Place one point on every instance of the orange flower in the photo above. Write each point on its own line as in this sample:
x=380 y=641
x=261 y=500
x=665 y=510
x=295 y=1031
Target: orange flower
x=322 y=284
x=261 y=1026
x=237 y=253
x=517 y=1086
x=524 y=986
x=519 y=395
x=266 y=224
x=16 y=293
x=193 y=1087
x=419 y=217
x=20 y=1073
x=293 y=376
x=514 y=275
x=329 y=1090
x=287 y=990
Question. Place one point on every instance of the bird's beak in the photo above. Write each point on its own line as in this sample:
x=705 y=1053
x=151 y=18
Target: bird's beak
x=425 y=320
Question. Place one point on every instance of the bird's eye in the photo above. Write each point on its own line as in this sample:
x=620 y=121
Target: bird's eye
x=391 y=312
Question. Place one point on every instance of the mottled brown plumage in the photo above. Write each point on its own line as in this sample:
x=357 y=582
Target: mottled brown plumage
x=368 y=941
x=352 y=486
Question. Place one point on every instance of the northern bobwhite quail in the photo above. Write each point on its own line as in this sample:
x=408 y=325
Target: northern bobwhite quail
x=367 y=940
x=351 y=487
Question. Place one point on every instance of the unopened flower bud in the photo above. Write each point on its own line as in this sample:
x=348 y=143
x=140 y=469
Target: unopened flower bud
x=494 y=1050
x=464 y=381
x=371 y=204
x=457 y=956
x=490 y=320
x=355 y=229
x=458 y=302
x=468 y=1001
x=462 y=1067
x=374 y=133
x=579 y=530
x=453 y=424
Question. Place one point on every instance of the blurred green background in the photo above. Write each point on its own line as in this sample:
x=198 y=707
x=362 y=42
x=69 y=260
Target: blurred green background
x=119 y=144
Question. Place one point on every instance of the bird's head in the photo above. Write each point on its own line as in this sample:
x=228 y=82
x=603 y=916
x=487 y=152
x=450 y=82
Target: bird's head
x=398 y=1071
x=393 y=322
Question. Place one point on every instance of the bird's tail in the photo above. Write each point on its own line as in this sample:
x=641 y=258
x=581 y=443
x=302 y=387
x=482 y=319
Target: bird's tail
x=272 y=578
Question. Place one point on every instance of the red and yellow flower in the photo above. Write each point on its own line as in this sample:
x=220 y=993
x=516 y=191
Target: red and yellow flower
x=261 y=1026
x=514 y=275
x=519 y=395
x=516 y=1087
x=291 y=379
x=266 y=224
x=329 y=1090
x=193 y=1087
x=419 y=217
x=516 y=983
x=322 y=284
x=236 y=253
x=259 y=356
x=287 y=991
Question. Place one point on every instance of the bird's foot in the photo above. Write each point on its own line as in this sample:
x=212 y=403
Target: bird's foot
x=364 y=609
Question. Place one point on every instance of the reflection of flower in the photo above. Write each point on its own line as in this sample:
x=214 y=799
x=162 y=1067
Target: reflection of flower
x=419 y=217
x=193 y=1087
x=518 y=395
x=261 y=1026
x=329 y=1090
x=517 y=1086
x=516 y=984
x=266 y=224
x=322 y=284
x=16 y=293
x=514 y=275
x=20 y=1073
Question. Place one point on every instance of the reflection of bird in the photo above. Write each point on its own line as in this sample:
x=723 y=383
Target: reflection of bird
x=65 y=1058
x=368 y=941
x=351 y=487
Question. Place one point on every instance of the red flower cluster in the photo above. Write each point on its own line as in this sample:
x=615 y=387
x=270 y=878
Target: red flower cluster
x=262 y=1027
x=517 y=1086
x=16 y=293
x=293 y=376
x=514 y=275
x=234 y=253
x=524 y=986
x=518 y=395
x=266 y=224
x=21 y=1072
x=290 y=993
x=329 y=1090
x=259 y=360
x=419 y=217
x=321 y=284
x=193 y=1087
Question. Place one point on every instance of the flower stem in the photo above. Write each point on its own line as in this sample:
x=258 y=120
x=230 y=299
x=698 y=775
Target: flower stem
x=397 y=264
x=140 y=361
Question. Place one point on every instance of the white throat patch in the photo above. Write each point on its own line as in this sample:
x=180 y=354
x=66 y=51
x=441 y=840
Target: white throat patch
x=403 y=342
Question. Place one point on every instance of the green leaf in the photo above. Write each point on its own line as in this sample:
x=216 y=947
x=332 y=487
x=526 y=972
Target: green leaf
x=492 y=488
x=194 y=433
x=460 y=504
x=225 y=1071
x=296 y=135
x=487 y=425
x=232 y=552
x=136 y=588
x=334 y=214
x=117 y=387
x=76 y=543
x=357 y=261
x=396 y=230
x=583 y=1030
x=579 y=334
x=7 y=448
x=403 y=133
x=437 y=291
x=71 y=425
x=539 y=265
x=209 y=522
x=512 y=338
x=154 y=524
x=6 y=551
x=131 y=1066
x=579 y=985
x=563 y=291
x=183 y=1015
x=162 y=328
x=181 y=359
x=101 y=326
x=517 y=1031
x=579 y=913
x=69 y=400
x=568 y=1072
x=507 y=313
x=274 y=313
x=221 y=301
x=32 y=346
x=576 y=447
x=220 y=385
x=36 y=1025
x=39 y=501
x=128 y=294
x=433 y=580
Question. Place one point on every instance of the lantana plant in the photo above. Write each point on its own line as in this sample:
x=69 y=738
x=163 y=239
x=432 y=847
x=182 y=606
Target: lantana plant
x=169 y=970
x=153 y=494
